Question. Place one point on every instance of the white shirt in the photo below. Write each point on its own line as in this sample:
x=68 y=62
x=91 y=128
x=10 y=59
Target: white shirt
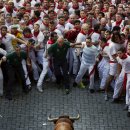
x=81 y=38
x=7 y=41
x=121 y=25
x=18 y=4
x=125 y=63
x=60 y=28
x=39 y=39
x=95 y=37
x=69 y=26
x=5 y=12
x=3 y=52
x=113 y=48
x=89 y=55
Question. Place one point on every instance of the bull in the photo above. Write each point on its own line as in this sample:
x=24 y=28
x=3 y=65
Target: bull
x=63 y=122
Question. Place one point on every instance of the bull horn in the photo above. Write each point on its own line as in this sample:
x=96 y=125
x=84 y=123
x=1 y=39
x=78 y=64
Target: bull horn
x=52 y=119
x=75 y=118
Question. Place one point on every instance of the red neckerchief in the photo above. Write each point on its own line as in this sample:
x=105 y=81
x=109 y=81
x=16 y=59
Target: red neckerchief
x=8 y=9
x=52 y=30
x=90 y=31
x=70 y=22
x=35 y=20
x=128 y=54
x=104 y=10
x=77 y=29
x=28 y=36
x=84 y=18
x=41 y=1
x=106 y=44
x=109 y=38
x=45 y=8
x=62 y=24
x=28 y=11
x=35 y=33
x=82 y=32
x=51 y=41
x=45 y=24
x=118 y=23
x=15 y=33
x=124 y=56
x=29 y=22
x=59 y=7
x=75 y=7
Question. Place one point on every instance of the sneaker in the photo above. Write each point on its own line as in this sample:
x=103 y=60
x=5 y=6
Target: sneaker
x=115 y=100
x=81 y=85
x=29 y=87
x=39 y=88
x=67 y=91
x=91 y=90
x=1 y=94
x=128 y=114
x=9 y=97
x=74 y=84
x=125 y=108
x=48 y=79
x=106 y=97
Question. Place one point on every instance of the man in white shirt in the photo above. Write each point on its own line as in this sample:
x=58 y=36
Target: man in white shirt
x=2 y=54
x=124 y=60
x=77 y=52
x=90 y=52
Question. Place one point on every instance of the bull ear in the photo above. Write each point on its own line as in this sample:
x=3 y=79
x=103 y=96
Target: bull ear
x=52 y=119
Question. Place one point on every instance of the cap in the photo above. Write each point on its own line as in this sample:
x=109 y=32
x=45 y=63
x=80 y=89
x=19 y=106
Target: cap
x=14 y=26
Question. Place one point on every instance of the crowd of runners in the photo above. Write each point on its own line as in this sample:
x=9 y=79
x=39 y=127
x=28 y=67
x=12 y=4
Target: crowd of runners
x=65 y=38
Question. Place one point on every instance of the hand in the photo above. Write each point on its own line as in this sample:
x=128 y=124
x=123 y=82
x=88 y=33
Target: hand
x=4 y=58
x=72 y=45
x=37 y=47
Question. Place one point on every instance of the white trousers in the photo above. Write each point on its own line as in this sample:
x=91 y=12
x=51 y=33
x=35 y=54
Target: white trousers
x=81 y=73
x=128 y=90
x=103 y=68
x=44 y=72
x=40 y=56
x=75 y=62
x=113 y=69
x=1 y=82
x=70 y=59
x=28 y=82
x=118 y=85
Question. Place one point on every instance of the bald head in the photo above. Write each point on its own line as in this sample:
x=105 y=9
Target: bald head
x=60 y=40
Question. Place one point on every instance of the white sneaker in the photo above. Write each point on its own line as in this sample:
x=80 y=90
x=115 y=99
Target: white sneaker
x=106 y=97
x=39 y=88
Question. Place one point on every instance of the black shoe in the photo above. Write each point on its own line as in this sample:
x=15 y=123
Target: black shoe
x=26 y=90
x=128 y=114
x=91 y=90
x=9 y=97
x=125 y=108
x=101 y=90
x=67 y=91
x=115 y=100
x=74 y=84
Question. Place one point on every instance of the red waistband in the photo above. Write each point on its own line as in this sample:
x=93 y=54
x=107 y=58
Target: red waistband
x=112 y=61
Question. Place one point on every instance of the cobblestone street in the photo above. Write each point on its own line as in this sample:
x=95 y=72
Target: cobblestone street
x=30 y=112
